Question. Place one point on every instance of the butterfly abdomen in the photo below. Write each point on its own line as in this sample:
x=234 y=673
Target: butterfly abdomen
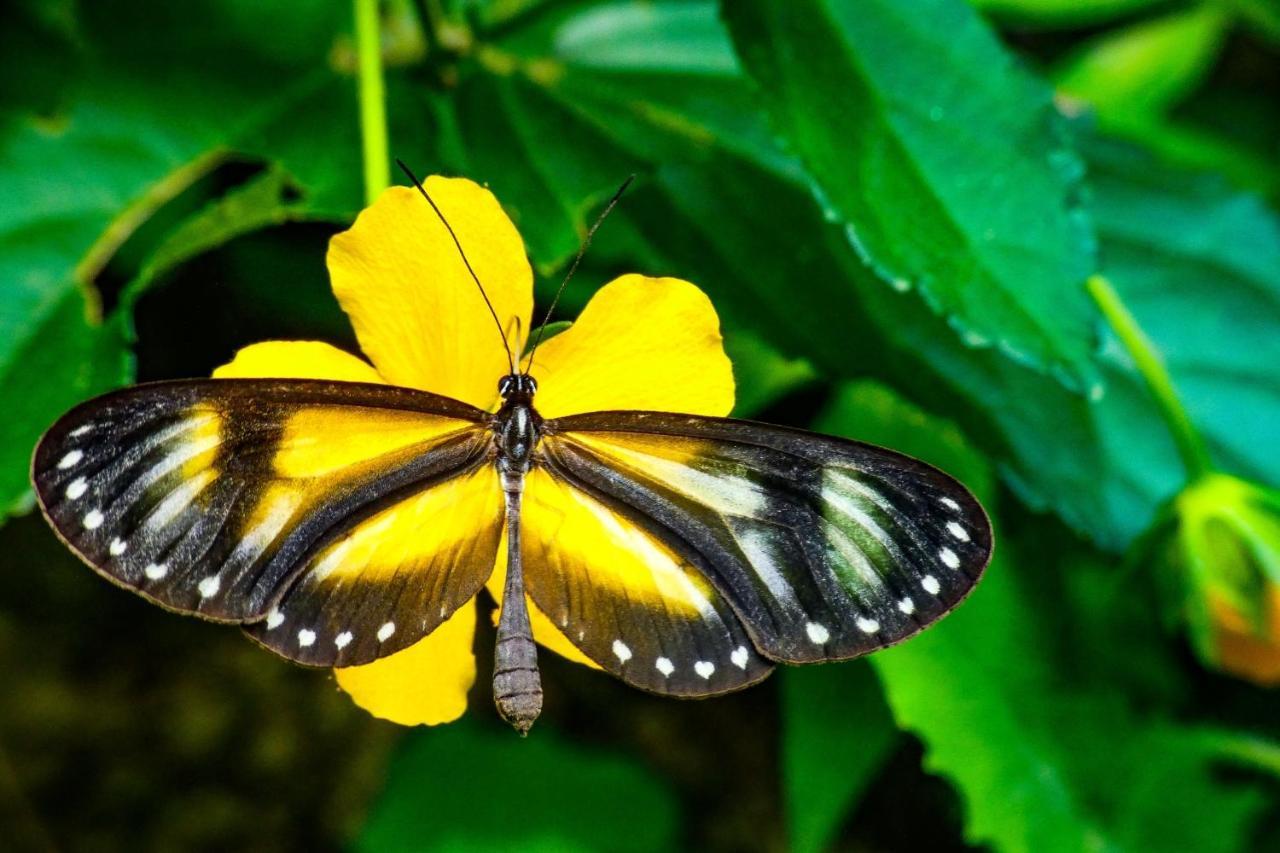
x=517 y=686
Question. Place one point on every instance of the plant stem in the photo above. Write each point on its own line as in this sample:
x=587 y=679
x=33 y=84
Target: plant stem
x=1191 y=447
x=373 y=102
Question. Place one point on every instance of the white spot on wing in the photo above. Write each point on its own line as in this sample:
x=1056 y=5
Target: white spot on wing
x=117 y=547
x=275 y=618
x=867 y=626
x=957 y=531
x=209 y=586
x=77 y=488
x=80 y=430
x=93 y=519
x=949 y=558
x=343 y=639
x=949 y=503
x=665 y=666
x=817 y=633
x=907 y=606
x=385 y=632
x=739 y=657
x=306 y=637
x=72 y=457
x=621 y=650
x=704 y=668
x=155 y=571
x=930 y=584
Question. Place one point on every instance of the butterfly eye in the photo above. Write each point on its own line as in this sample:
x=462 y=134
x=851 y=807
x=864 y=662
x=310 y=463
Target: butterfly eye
x=517 y=384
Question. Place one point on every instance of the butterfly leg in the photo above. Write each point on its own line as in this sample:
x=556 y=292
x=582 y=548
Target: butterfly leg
x=517 y=686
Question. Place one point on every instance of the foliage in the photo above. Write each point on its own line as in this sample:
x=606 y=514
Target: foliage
x=894 y=207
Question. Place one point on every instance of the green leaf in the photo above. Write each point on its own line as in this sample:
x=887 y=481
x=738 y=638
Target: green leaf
x=909 y=132
x=1198 y=264
x=1025 y=724
x=1147 y=67
x=762 y=375
x=837 y=733
x=1051 y=14
x=464 y=788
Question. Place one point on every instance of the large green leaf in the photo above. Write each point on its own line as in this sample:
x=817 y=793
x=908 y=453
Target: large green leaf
x=836 y=735
x=468 y=789
x=1013 y=706
x=943 y=158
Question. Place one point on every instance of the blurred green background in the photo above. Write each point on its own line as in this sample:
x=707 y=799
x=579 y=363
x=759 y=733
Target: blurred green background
x=895 y=205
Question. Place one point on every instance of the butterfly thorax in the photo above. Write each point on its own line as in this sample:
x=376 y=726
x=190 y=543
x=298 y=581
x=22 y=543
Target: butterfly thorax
x=517 y=428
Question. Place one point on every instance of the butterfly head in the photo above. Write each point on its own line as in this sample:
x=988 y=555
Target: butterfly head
x=517 y=388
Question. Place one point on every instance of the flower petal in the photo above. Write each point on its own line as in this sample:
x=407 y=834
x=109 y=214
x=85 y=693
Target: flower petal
x=427 y=683
x=296 y=360
x=641 y=343
x=415 y=308
x=545 y=631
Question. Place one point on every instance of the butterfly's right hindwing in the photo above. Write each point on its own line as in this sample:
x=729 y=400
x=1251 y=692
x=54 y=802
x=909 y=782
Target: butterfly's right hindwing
x=825 y=548
x=281 y=503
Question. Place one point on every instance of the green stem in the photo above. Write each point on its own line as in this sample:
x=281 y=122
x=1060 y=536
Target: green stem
x=1195 y=457
x=1249 y=751
x=373 y=102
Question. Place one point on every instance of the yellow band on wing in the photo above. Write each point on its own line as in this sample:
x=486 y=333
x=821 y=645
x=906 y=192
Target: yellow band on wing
x=575 y=534
x=319 y=442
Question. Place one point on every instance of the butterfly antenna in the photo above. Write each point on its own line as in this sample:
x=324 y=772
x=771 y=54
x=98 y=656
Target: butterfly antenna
x=511 y=359
x=582 y=250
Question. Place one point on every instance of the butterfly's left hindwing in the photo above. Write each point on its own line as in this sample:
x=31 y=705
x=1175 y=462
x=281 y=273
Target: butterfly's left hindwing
x=825 y=548
x=309 y=508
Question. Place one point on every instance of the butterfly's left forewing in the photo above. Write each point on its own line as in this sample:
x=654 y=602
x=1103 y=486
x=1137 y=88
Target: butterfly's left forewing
x=339 y=522
x=824 y=548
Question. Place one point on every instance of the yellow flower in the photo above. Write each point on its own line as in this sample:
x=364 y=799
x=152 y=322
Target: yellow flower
x=640 y=343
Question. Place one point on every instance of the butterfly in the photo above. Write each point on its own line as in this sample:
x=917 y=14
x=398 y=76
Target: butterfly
x=342 y=522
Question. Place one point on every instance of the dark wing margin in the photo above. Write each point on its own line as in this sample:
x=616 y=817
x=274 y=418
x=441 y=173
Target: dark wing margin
x=235 y=499
x=826 y=548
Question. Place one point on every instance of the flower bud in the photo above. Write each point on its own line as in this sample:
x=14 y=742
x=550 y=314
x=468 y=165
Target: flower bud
x=1226 y=548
